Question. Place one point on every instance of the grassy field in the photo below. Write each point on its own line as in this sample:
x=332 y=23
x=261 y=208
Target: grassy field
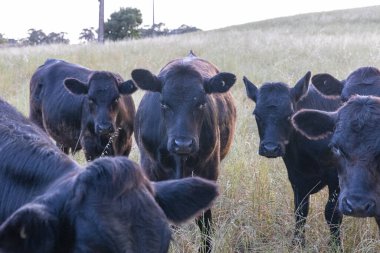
x=254 y=212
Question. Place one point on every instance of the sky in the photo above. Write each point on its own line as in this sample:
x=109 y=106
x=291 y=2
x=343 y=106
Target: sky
x=71 y=16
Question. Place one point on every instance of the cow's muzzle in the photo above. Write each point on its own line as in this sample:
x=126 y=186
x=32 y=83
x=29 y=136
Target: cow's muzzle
x=358 y=206
x=104 y=129
x=271 y=149
x=182 y=146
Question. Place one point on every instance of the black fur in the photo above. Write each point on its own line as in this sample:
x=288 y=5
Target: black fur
x=50 y=204
x=310 y=164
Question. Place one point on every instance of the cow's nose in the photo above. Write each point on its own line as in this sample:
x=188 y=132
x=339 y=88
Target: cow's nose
x=358 y=206
x=105 y=128
x=270 y=149
x=183 y=146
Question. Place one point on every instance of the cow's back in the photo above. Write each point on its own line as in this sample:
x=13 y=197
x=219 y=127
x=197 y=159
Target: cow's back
x=29 y=161
x=52 y=106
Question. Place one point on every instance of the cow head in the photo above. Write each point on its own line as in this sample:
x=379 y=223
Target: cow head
x=363 y=81
x=111 y=207
x=185 y=102
x=275 y=105
x=103 y=96
x=356 y=144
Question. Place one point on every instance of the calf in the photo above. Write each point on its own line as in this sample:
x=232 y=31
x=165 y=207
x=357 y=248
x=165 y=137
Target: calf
x=363 y=81
x=50 y=204
x=185 y=123
x=310 y=164
x=355 y=142
x=82 y=108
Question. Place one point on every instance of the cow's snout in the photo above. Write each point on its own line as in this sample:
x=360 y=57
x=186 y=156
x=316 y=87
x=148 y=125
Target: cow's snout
x=183 y=146
x=104 y=128
x=359 y=206
x=270 y=149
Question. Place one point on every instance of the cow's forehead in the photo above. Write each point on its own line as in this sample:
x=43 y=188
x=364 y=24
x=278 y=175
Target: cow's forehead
x=359 y=121
x=274 y=95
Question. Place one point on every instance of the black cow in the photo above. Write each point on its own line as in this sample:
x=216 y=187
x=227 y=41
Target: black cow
x=185 y=123
x=363 y=81
x=50 y=204
x=310 y=164
x=355 y=141
x=79 y=107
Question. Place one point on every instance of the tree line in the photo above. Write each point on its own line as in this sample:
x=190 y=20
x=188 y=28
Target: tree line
x=122 y=24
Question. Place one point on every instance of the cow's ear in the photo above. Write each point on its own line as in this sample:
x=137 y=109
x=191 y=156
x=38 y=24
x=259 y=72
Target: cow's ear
x=127 y=87
x=250 y=88
x=314 y=124
x=327 y=84
x=219 y=83
x=185 y=198
x=75 y=86
x=145 y=80
x=300 y=89
x=30 y=229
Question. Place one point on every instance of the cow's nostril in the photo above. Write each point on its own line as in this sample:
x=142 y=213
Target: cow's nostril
x=183 y=145
x=370 y=206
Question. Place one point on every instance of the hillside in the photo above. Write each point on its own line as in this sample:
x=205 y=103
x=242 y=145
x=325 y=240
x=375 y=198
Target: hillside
x=254 y=211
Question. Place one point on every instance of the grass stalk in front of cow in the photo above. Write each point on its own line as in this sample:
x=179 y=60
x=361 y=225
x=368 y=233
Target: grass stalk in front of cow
x=254 y=212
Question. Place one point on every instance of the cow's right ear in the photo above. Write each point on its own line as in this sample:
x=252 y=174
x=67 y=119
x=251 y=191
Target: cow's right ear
x=75 y=86
x=185 y=198
x=145 y=80
x=327 y=84
x=30 y=229
x=250 y=88
x=314 y=124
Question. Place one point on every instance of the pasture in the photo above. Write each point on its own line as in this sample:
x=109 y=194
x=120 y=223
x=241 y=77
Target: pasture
x=254 y=212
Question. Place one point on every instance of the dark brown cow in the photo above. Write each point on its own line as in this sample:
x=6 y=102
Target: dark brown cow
x=185 y=123
x=355 y=141
x=50 y=204
x=82 y=108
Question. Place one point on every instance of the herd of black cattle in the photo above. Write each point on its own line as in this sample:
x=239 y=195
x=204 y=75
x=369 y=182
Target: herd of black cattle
x=326 y=133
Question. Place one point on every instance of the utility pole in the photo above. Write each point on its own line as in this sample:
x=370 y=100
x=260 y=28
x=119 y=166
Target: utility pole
x=153 y=14
x=101 y=22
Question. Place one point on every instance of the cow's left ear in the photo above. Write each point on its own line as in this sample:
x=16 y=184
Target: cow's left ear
x=219 y=83
x=301 y=87
x=145 y=80
x=75 y=86
x=30 y=229
x=127 y=87
x=314 y=124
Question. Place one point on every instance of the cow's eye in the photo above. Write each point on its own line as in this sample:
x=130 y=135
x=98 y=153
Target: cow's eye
x=115 y=101
x=91 y=102
x=201 y=106
x=164 y=106
x=337 y=151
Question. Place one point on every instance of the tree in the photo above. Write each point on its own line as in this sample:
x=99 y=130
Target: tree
x=36 y=37
x=123 y=24
x=56 y=38
x=2 y=39
x=87 y=34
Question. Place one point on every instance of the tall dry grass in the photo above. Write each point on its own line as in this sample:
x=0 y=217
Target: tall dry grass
x=254 y=212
